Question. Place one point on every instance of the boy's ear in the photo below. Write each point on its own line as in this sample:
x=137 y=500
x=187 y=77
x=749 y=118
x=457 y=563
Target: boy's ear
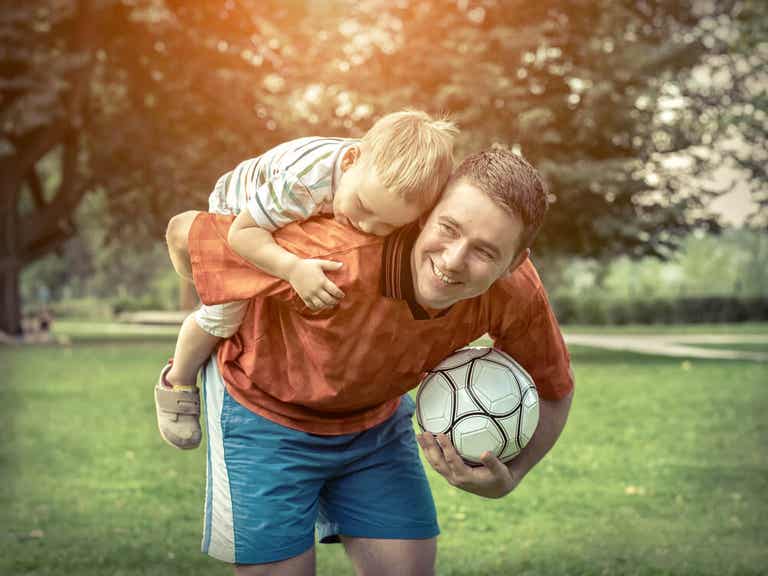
x=351 y=155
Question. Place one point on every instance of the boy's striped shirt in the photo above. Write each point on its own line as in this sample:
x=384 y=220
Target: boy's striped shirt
x=291 y=182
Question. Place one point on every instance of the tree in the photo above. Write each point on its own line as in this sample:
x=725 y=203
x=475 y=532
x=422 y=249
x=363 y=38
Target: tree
x=177 y=92
x=44 y=70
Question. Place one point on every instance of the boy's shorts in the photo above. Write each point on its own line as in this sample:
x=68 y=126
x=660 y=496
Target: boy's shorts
x=221 y=320
x=269 y=486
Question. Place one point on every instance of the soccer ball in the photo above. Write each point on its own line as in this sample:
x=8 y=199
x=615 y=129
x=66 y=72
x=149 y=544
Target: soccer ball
x=483 y=400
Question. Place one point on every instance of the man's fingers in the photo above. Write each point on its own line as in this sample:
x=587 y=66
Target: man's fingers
x=494 y=465
x=432 y=452
x=452 y=458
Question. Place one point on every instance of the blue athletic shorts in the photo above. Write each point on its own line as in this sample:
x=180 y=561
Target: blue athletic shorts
x=268 y=486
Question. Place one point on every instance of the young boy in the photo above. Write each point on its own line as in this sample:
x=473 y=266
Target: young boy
x=386 y=180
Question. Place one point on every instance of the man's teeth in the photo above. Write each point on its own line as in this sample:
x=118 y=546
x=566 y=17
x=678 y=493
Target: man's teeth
x=442 y=276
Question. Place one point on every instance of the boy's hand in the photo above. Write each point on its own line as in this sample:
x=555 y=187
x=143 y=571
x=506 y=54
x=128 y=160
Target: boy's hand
x=311 y=284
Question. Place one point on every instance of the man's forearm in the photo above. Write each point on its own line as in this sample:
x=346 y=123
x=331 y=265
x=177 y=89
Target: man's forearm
x=552 y=418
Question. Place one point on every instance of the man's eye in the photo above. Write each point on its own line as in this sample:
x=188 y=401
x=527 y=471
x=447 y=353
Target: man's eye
x=445 y=228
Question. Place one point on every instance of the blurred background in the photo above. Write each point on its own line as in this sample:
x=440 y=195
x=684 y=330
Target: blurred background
x=647 y=119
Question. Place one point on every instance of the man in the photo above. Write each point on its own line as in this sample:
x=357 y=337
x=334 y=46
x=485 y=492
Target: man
x=304 y=411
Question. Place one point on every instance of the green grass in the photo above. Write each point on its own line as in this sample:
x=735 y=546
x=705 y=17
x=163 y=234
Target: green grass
x=662 y=470
x=740 y=346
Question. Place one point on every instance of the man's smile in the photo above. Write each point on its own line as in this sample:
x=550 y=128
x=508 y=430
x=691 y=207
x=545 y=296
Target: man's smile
x=441 y=275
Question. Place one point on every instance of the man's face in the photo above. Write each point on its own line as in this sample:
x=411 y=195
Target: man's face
x=467 y=243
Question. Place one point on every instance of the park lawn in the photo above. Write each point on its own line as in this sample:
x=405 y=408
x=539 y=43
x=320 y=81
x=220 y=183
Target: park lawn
x=740 y=346
x=661 y=470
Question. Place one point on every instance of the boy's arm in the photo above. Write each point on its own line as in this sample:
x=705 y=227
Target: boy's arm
x=306 y=276
x=256 y=245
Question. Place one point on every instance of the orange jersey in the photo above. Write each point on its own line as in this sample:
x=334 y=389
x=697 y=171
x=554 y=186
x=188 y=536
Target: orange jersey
x=343 y=370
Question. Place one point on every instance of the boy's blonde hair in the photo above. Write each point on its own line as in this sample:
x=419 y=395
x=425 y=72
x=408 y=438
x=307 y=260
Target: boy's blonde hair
x=412 y=154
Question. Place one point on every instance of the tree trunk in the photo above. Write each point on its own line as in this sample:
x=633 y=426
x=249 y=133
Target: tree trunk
x=10 y=302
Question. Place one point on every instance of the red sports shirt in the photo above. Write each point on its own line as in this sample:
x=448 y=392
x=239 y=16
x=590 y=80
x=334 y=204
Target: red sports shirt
x=344 y=370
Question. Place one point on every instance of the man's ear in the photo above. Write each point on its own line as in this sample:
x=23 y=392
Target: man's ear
x=519 y=259
x=351 y=155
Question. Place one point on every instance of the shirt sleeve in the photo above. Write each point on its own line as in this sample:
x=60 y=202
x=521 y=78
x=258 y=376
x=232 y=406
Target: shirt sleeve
x=220 y=274
x=285 y=198
x=532 y=337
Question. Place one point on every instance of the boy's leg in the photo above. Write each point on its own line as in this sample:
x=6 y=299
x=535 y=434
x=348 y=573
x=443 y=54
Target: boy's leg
x=193 y=347
x=177 y=238
x=177 y=399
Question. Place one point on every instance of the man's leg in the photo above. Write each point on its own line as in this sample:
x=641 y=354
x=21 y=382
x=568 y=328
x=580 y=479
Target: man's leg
x=380 y=504
x=301 y=565
x=378 y=557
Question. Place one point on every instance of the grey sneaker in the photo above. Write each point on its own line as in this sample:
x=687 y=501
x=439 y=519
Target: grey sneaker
x=178 y=413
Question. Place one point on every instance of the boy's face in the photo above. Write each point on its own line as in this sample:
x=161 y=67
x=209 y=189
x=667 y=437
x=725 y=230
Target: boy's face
x=363 y=202
x=466 y=244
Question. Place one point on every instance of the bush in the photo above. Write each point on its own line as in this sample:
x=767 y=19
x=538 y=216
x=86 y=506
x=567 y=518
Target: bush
x=688 y=310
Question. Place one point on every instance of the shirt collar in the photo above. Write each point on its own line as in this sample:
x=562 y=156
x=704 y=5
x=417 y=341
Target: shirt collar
x=396 y=277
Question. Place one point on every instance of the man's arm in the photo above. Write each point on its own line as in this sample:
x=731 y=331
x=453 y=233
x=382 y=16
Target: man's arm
x=494 y=479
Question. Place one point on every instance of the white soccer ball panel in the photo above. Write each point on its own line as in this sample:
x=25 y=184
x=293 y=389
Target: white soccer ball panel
x=465 y=403
x=474 y=435
x=530 y=416
x=495 y=387
x=510 y=427
x=458 y=375
x=462 y=356
x=435 y=404
x=503 y=358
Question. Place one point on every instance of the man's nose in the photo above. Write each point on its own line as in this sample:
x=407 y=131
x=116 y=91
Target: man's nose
x=454 y=255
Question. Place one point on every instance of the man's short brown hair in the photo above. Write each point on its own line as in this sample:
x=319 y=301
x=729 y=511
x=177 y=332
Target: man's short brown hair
x=511 y=182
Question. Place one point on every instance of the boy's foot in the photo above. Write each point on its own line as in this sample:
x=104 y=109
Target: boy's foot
x=178 y=412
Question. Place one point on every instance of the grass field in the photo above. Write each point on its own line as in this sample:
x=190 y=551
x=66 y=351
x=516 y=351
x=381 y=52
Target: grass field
x=662 y=470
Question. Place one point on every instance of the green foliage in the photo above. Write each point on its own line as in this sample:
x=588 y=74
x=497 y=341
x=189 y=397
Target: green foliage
x=661 y=470
x=734 y=263
x=96 y=270
x=590 y=91
x=681 y=310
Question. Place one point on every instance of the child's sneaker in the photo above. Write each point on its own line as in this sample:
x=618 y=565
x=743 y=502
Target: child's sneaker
x=178 y=413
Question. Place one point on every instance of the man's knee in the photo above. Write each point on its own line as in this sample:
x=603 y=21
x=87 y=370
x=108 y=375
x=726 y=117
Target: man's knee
x=177 y=231
x=376 y=557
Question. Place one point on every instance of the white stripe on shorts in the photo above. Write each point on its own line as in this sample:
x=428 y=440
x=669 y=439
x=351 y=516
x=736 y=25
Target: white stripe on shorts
x=218 y=524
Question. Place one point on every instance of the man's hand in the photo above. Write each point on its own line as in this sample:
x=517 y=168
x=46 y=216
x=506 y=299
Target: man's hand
x=308 y=279
x=492 y=480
